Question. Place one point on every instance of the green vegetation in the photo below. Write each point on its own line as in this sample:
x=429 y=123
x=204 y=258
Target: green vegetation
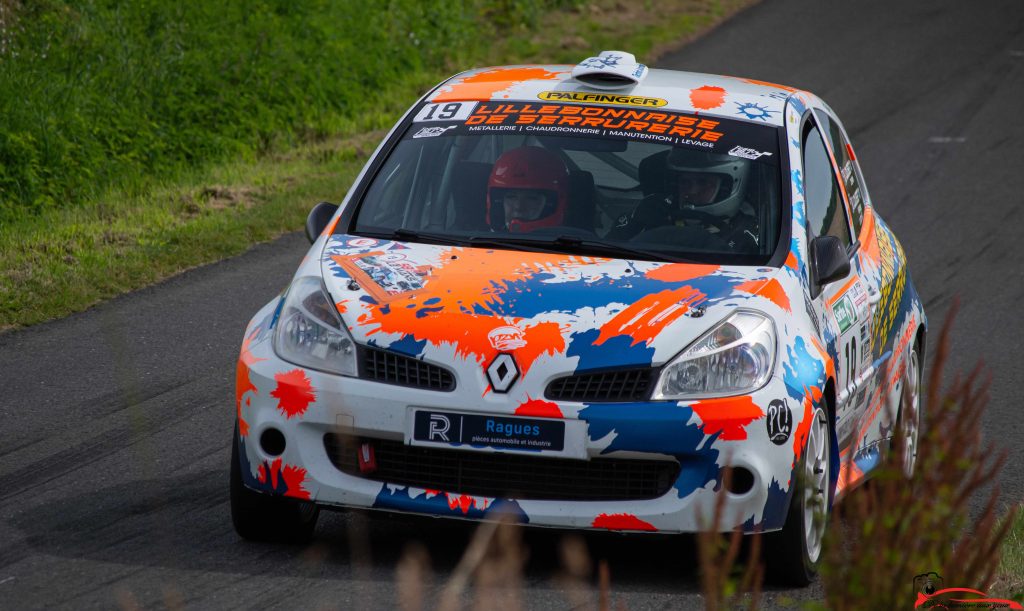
x=140 y=139
x=1010 y=582
x=102 y=93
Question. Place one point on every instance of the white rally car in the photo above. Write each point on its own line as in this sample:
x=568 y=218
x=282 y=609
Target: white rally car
x=579 y=296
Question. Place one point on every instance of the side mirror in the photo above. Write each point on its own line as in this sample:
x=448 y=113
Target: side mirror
x=828 y=260
x=318 y=218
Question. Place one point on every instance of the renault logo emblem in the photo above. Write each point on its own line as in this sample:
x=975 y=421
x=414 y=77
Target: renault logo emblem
x=502 y=372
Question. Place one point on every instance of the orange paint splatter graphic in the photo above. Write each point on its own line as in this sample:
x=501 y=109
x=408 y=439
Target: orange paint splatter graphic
x=458 y=297
x=681 y=272
x=539 y=408
x=767 y=84
x=621 y=521
x=243 y=383
x=463 y=503
x=769 y=289
x=645 y=319
x=707 y=97
x=294 y=392
x=811 y=396
x=728 y=416
x=869 y=239
x=487 y=84
x=294 y=478
x=791 y=261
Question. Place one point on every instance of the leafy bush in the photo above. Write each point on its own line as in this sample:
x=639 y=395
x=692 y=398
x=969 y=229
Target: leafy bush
x=891 y=529
x=103 y=93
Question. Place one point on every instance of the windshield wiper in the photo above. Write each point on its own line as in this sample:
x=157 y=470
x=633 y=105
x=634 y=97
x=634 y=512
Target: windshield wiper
x=408 y=235
x=505 y=242
x=592 y=247
x=559 y=244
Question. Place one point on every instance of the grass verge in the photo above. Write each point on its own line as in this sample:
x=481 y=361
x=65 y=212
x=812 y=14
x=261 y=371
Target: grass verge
x=1010 y=578
x=65 y=259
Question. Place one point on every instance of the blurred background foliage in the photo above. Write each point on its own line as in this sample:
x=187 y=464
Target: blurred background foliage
x=98 y=94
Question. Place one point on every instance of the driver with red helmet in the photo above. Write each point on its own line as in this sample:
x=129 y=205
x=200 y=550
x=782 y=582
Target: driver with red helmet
x=528 y=189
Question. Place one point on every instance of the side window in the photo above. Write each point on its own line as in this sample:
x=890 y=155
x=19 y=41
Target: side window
x=847 y=168
x=826 y=214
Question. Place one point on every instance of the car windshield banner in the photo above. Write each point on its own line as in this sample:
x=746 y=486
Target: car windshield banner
x=713 y=134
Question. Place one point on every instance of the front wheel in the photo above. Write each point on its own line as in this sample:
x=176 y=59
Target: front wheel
x=791 y=555
x=261 y=517
x=909 y=420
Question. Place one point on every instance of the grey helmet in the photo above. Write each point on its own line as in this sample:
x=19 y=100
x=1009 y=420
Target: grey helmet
x=733 y=171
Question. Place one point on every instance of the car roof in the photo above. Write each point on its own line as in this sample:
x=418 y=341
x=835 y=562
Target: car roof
x=693 y=92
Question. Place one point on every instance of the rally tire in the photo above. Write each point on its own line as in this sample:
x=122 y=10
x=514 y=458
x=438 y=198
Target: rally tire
x=792 y=555
x=909 y=418
x=262 y=517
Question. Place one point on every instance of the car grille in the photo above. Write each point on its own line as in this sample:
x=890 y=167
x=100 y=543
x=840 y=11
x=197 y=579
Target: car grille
x=622 y=385
x=383 y=366
x=505 y=475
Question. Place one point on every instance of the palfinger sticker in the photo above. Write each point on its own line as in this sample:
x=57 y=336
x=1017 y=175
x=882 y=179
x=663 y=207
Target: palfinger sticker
x=601 y=98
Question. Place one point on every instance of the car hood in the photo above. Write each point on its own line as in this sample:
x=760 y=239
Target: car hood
x=447 y=302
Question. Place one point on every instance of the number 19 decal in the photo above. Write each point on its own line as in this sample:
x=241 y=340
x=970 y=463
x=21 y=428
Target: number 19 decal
x=445 y=111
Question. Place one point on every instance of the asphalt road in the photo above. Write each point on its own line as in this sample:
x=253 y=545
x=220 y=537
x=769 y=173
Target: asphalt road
x=116 y=422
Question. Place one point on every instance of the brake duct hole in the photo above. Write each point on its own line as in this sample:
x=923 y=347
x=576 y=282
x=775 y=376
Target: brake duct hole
x=741 y=481
x=272 y=442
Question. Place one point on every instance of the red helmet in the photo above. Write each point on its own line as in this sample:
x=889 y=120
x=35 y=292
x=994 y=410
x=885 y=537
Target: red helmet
x=528 y=189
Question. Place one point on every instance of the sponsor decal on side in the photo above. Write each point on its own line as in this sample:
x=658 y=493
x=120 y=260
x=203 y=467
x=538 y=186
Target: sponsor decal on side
x=601 y=98
x=847 y=171
x=845 y=314
x=779 y=421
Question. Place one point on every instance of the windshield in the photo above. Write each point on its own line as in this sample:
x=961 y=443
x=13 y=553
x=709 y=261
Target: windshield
x=570 y=178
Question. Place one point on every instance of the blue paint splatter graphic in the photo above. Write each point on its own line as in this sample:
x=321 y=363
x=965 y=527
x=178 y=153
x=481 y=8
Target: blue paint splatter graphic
x=753 y=110
x=400 y=500
x=801 y=370
x=614 y=353
x=656 y=427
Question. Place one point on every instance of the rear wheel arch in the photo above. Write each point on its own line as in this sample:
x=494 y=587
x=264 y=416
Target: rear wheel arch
x=829 y=397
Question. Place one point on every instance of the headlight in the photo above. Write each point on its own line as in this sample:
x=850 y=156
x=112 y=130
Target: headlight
x=310 y=332
x=734 y=357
